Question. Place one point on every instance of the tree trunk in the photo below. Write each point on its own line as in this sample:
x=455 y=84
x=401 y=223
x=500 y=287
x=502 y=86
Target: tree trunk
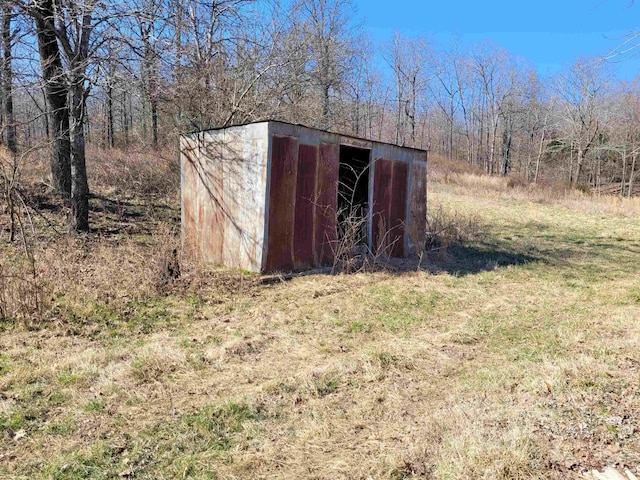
x=624 y=172
x=451 y=127
x=506 y=152
x=47 y=115
x=79 y=185
x=540 y=149
x=124 y=118
x=579 y=163
x=56 y=91
x=7 y=79
x=631 y=175
x=110 y=133
x=492 y=147
x=154 y=121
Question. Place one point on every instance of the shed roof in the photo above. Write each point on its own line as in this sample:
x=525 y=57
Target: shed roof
x=346 y=136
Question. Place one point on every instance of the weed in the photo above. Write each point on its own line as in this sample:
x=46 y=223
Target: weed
x=14 y=421
x=220 y=425
x=63 y=427
x=445 y=229
x=94 y=406
x=323 y=384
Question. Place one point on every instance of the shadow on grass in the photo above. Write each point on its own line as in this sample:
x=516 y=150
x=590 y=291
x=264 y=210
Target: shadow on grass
x=473 y=259
x=458 y=260
x=117 y=207
x=116 y=217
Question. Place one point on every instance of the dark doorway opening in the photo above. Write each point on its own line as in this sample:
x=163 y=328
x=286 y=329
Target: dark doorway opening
x=353 y=193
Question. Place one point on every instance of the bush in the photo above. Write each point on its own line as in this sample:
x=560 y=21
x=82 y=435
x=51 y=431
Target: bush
x=25 y=295
x=446 y=228
x=516 y=181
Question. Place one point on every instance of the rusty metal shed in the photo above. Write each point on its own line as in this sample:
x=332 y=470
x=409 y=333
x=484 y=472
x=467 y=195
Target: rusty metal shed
x=267 y=196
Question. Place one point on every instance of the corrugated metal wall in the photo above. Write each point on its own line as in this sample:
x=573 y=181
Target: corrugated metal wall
x=389 y=212
x=302 y=204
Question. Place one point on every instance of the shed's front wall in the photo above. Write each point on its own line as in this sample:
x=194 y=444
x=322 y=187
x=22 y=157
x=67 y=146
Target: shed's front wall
x=224 y=174
x=302 y=196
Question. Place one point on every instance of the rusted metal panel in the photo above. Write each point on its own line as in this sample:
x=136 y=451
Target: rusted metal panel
x=381 y=215
x=282 y=194
x=398 y=208
x=304 y=234
x=327 y=203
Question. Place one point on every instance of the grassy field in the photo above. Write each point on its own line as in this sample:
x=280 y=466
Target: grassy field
x=513 y=353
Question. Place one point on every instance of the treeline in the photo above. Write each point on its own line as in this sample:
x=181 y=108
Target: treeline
x=136 y=73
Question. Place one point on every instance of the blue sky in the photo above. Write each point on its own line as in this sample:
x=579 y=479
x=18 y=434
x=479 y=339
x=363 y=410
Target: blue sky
x=549 y=33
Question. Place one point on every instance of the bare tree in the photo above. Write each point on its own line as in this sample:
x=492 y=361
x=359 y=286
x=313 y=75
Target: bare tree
x=7 y=78
x=328 y=35
x=56 y=91
x=410 y=61
x=65 y=30
x=581 y=89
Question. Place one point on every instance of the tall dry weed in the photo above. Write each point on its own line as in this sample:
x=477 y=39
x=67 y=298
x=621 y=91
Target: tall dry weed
x=351 y=252
x=445 y=228
x=517 y=188
x=147 y=173
x=25 y=291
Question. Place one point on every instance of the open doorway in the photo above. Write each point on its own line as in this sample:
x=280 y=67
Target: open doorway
x=353 y=193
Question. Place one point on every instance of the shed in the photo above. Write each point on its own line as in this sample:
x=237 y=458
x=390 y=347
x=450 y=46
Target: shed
x=268 y=196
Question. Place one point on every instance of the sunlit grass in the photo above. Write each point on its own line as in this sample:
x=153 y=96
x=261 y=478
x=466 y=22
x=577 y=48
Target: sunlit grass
x=511 y=353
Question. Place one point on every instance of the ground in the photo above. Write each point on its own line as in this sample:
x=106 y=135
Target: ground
x=510 y=352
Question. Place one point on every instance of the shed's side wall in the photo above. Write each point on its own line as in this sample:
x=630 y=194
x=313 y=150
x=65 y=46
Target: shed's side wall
x=224 y=195
x=189 y=195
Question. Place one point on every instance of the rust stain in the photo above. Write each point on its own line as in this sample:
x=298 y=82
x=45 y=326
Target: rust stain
x=303 y=237
x=189 y=206
x=282 y=203
x=327 y=202
x=381 y=215
x=418 y=206
x=398 y=207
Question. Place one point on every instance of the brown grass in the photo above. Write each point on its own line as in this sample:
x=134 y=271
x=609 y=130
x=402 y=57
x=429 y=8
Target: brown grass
x=515 y=358
x=145 y=173
x=554 y=194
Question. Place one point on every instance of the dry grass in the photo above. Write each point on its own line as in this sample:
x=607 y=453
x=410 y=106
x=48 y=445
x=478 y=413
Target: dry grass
x=446 y=228
x=515 y=355
x=469 y=179
x=494 y=187
x=154 y=173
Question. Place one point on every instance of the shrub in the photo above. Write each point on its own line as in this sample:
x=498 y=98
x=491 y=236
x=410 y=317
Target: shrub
x=445 y=228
